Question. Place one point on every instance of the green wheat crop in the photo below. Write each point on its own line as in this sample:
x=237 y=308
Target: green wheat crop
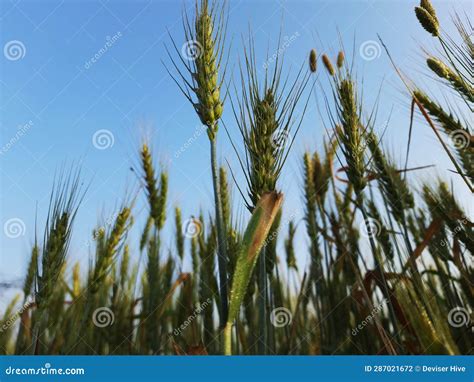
x=388 y=266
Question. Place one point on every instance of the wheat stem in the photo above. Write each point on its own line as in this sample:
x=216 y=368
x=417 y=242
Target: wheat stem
x=262 y=304
x=221 y=242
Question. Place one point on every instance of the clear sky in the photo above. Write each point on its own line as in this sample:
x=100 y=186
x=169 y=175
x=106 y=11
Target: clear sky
x=59 y=99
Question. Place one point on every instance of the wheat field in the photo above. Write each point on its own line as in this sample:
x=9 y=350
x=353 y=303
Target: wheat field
x=390 y=264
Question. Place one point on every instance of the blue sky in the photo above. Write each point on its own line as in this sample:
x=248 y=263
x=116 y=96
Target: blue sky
x=128 y=93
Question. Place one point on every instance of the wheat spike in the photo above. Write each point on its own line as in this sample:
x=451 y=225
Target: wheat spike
x=328 y=64
x=313 y=61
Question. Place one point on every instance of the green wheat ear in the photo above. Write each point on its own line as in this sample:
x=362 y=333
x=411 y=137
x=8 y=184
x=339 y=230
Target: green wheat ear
x=205 y=35
x=428 y=20
x=253 y=241
x=328 y=64
x=65 y=199
x=179 y=232
x=289 y=247
x=265 y=113
x=438 y=67
x=340 y=59
x=200 y=80
x=313 y=60
x=31 y=272
x=443 y=71
x=426 y=4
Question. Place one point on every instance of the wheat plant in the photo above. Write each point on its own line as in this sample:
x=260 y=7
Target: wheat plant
x=380 y=263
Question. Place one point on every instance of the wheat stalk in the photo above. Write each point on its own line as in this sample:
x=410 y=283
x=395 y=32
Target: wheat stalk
x=207 y=33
